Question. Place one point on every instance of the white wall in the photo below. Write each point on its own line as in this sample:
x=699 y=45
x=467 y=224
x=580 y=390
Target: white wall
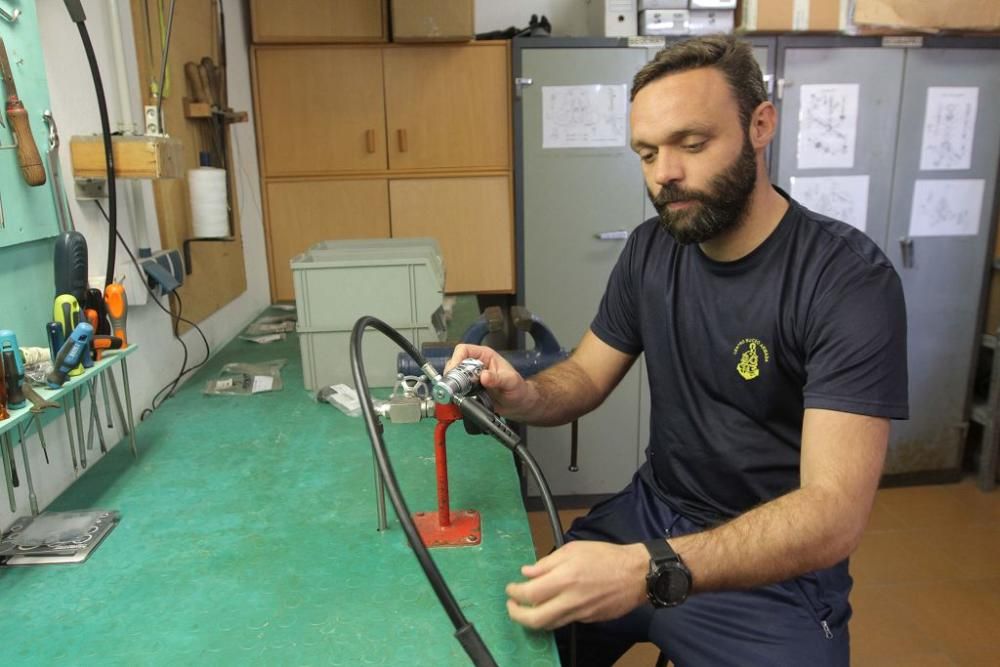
x=74 y=106
x=568 y=17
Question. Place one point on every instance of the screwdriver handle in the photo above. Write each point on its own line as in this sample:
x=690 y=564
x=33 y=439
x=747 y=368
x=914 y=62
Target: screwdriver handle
x=67 y=313
x=117 y=302
x=54 y=334
x=15 y=397
x=3 y=400
x=90 y=354
x=27 y=151
x=69 y=355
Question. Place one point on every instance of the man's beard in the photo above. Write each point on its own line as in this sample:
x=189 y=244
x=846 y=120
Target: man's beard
x=721 y=208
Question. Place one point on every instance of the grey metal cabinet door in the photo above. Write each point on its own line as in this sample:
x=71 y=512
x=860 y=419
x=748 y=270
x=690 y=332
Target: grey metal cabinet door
x=836 y=119
x=943 y=275
x=570 y=196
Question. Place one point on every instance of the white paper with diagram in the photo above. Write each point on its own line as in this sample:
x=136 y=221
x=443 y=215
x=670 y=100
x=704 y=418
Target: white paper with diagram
x=593 y=116
x=842 y=198
x=828 y=125
x=949 y=128
x=947 y=207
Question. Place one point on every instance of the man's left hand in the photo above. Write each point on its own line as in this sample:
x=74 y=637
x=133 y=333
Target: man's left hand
x=582 y=581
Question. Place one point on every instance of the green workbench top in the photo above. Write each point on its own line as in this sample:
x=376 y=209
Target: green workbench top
x=248 y=536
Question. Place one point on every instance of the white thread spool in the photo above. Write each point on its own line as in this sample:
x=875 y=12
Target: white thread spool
x=209 y=210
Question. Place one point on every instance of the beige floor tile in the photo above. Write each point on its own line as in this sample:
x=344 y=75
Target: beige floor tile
x=882 y=630
x=894 y=557
x=934 y=659
x=920 y=507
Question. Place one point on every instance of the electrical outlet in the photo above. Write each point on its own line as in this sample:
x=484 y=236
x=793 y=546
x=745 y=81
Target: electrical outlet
x=164 y=270
x=90 y=188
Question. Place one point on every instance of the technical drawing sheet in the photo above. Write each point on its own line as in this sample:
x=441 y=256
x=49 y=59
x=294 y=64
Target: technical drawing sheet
x=828 y=125
x=949 y=128
x=584 y=116
x=843 y=198
x=946 y=207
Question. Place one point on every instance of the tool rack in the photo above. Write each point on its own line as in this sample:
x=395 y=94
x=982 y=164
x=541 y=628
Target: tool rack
x=70 y=395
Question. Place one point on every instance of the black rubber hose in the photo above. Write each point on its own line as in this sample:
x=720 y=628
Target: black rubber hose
x=465 y=632
x=102 y=107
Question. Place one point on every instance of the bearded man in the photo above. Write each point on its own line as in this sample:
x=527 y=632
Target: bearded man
x=775 y=345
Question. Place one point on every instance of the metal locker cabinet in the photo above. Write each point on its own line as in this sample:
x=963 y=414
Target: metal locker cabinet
x=837 y=60
x=565 y=197
x=943 y=276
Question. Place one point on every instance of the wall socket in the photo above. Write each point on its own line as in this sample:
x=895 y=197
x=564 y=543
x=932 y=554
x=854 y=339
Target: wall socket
x=90 y=188
x=164 y=270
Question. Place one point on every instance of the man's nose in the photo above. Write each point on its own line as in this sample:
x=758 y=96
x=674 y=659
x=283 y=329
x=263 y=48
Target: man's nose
x=667 y=168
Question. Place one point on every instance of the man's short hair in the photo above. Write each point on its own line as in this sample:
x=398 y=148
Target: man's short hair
x=731 y=56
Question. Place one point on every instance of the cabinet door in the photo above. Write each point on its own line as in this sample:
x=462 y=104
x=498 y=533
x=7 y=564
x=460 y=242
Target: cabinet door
x=943 y=205
x=321 y=110
x=448 y=107
x=307 y=212
x=318 y=21
x=571 y=197
x=470 y=217
x=839 y=102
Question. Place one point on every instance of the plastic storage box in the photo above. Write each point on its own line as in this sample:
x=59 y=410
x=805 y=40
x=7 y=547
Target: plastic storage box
x=399 y=281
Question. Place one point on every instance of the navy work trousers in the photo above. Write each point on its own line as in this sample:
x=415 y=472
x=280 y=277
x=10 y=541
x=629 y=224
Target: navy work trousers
x=797 y=623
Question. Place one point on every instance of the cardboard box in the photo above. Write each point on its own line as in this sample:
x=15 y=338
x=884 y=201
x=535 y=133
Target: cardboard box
x=795 y=15
x=919 y=14
x=433 y=20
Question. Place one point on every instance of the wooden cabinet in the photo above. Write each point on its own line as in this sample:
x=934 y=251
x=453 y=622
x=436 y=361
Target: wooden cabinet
x=444 y=108
x=321 y=110
x=318 y=21
x=375 y=141
x=306 y=212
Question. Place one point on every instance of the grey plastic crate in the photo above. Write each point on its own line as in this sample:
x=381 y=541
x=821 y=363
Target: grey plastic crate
x=399 y=281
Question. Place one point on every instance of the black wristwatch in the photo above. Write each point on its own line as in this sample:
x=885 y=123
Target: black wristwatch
x=669 y=581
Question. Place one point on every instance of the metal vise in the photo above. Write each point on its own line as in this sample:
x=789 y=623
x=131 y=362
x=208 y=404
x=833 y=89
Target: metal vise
x=546 y=352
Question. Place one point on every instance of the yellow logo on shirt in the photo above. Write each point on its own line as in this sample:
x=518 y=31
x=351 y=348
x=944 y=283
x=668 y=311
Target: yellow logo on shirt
x=750 y=360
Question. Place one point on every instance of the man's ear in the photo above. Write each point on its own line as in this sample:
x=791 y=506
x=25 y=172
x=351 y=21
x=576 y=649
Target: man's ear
x=763 y=125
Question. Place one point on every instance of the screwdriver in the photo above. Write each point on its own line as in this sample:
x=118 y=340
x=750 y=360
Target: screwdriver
x=69 y=355
x=27 y=151
x=114 y=297
x=90 y=354
x=13 y=368
x=67 y=313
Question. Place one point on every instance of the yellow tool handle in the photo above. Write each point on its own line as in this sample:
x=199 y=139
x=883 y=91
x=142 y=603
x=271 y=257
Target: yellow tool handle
x=27 y=151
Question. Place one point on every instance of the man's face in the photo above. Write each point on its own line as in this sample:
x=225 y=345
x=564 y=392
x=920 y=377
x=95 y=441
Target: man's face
x=697 y=159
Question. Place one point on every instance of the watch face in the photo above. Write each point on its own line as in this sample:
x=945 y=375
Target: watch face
x=672 y=586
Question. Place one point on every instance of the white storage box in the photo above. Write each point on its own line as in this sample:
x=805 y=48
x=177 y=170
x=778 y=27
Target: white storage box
x=713 y=4
x=664 y=22
x=399 y=281
x=662 y=4
x=612 y=18
x=709 y=22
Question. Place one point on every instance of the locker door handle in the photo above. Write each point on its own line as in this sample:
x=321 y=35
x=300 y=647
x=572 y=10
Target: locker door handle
x=616 y=235
x=370 y=140
x=401 y=139
x=906 y=251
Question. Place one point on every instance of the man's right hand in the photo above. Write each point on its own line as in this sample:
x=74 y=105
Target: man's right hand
x=512 y=395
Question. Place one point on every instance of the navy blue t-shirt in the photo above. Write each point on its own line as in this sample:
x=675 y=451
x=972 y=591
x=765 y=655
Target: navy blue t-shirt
x=735 y=351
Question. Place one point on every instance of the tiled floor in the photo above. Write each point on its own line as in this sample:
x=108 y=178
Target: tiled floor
x=927 y=580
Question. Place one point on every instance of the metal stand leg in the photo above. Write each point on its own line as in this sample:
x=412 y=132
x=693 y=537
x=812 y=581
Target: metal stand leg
x=107 y=402
x=118 y=403
x=69 y=435
x=5 y=454
x=79 y=428
x=128 y=405
x=41 y=437
x=32 y=500
x=95 y=420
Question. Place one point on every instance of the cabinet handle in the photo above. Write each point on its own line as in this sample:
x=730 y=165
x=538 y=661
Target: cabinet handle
x=370 y=140
x=401 y=138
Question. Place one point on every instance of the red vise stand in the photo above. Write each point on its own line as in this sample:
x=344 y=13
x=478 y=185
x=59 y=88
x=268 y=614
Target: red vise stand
x=445 y=528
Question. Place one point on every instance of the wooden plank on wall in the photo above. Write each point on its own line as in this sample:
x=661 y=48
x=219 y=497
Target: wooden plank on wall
x=218 y=274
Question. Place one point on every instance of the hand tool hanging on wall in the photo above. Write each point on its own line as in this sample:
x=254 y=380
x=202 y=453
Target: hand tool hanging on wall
x=55 y=176
x=17 y=116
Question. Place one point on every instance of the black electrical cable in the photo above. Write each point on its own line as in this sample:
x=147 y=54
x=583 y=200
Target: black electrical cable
x=175 y=321
x=77 y=15
x=465 y=632
x=163 y=65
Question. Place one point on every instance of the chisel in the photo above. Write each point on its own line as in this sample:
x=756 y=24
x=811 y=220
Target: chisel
x=27 y=151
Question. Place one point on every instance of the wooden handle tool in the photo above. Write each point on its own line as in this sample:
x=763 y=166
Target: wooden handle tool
x=27 y=152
